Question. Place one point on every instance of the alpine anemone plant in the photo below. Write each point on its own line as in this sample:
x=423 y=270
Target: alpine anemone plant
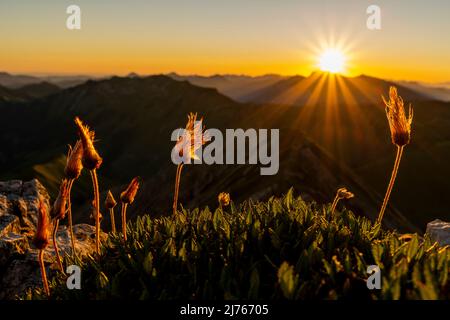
x=400 y=127
x=190 y=141
x=92 y=161
x=110 y=204
x=127 y=198
x=40 y=241
x=342 y=193
x=73 y=169
x=58 y=213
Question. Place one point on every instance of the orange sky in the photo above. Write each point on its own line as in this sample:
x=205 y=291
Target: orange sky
x=244 y=37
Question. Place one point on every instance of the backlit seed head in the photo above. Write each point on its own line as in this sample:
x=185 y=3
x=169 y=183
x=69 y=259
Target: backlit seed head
x=41 y=236
x=59 y=206
x=192 y=139
x=128 y=195
x=74 y=164
x=91 y=159
x=399 y=124
x=343 y=193
x=224 y=199
x=110 y=202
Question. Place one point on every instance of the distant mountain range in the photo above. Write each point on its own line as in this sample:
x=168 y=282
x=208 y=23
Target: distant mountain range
x=27 y=92
x=333 y=132
x=237 y=87
x=439 y=91
x=17 y=80
x=241 y=88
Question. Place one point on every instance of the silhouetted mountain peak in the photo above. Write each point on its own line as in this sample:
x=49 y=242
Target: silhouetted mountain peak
x=133 y=75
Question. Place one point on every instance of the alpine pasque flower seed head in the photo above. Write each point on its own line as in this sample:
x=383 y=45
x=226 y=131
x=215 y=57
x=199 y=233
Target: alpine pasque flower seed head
x=224 y=199
x=91 y=159
x=59 y=206
x=42 y=236
x=74 y=164
x=343 y=193
x=110 y=202
x=127 y=196
x=192 y=138
x=399 y=124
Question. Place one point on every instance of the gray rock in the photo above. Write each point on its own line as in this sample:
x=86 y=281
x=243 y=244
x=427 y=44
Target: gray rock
x=439 y=231
x=9 y=223
x=20 y=276
x=19 y=268
x=84 y=244
x=12 y=186
x=11 y=245
x=33 y=189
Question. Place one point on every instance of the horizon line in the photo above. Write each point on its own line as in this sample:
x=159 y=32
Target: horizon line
x=104 y=75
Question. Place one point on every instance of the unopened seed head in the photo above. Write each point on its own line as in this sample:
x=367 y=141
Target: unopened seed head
x=224 y=199
x=59 y=206
x=41 y=237
x=128 y=195
x=110 y=202
x=91 y=159
x=343 y=193
x=74 y=164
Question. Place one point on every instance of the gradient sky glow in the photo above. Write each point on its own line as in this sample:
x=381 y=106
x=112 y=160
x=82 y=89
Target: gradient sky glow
x=225 y=36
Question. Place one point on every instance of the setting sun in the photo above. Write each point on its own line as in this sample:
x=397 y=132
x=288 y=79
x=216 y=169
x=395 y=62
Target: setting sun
x=332 y=60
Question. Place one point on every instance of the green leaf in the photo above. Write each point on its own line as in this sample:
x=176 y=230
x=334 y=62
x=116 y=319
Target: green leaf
x=148 y=263
x=413 y=247
x=287 y=279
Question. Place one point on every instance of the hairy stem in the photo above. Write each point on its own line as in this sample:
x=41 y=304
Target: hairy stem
x=69 y=217
x=43 y=272
x=113 y=222
x=97 y=210
x=335 y=202
x=55 y=245
x=124 y=221
x=391 y=183
x=177 y=188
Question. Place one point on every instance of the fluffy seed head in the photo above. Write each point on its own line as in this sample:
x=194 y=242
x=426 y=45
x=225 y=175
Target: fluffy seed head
x=74 y=164
x=343 y=193
x=59 y=206
x=127 y=196
x=399 y=124
x=224 y=199
x=110 y=202
x=192 y=138
x=41 y=237
x=91 y=159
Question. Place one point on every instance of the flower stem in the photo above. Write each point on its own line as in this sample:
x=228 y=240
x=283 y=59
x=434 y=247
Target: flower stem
x=391 y=183
x=55 y=245
x=177 y=188
x=113 y=223
x=97 y=210
x=124 y=221
x=69 y=217
x=335 y=202
x=43 y=272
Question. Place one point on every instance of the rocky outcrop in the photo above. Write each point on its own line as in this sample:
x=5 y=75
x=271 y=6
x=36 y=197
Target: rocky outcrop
x=439 y=231
x=19 y=269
